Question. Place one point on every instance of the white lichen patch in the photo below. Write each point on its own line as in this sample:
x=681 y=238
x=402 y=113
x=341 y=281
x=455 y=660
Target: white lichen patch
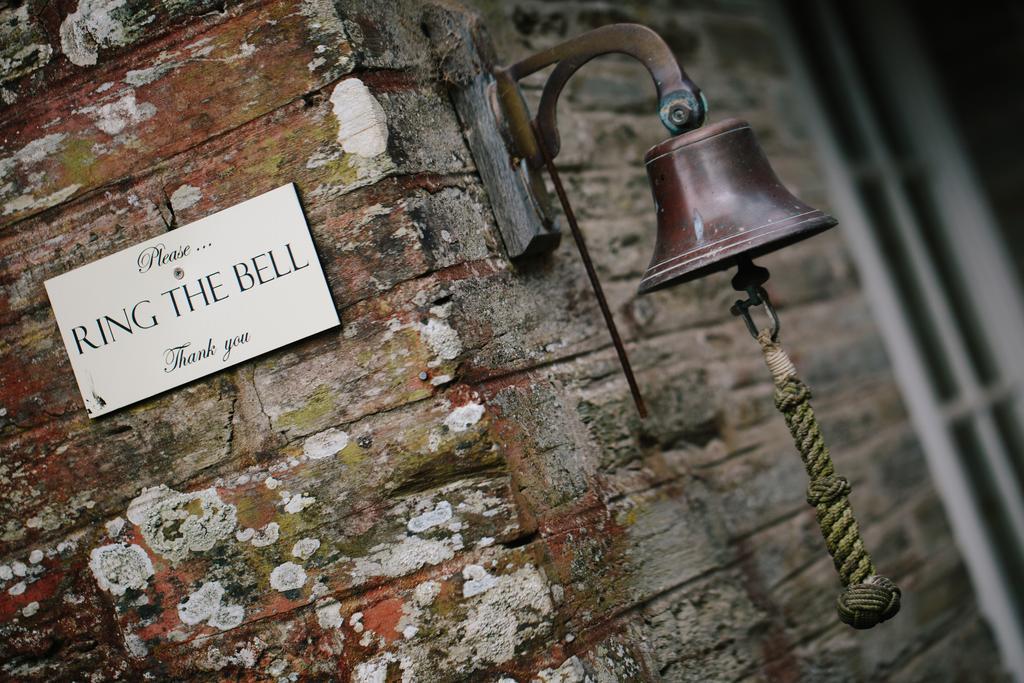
x=405 y=556
x=119 y=567
x=264 y=536
x=320 y=588
x=362 y=123
x=200 y=48
x=434 y=440
x=296 y=503
x=67 y=546
x=479 y=503
x=442 y=339
x=207 y=605
x=137 y=77
x=441 y=513
x=201 y=605
x=93 y=25
x=33 y=152
x=325 y=444
x=515 y=609
x=412 y=610
x=328 y=614
x=571 y=671
x=439 y=336
x=305 y=547
x=27 y=201
x=245 y=655
x=176 y=524
x=36 y=556
x=376 y=669
x=425 y=593
x=464 y=417
x=113 y=117
x=114 y=527
x=185 y=197
x=333 y=29
x=26 y=159
x=287 y=576
x=30 y=609
x=136 y=646
x=18 y=56
x=367 y=638
x=227 y=617
x=476 y=580
x=277 y=669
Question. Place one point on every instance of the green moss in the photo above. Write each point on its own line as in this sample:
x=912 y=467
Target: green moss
x=628 y=518
x=358 y=546
x=342 y=171
x=321 y=402
x=293 y=527
x=447 y=602
x=352 y=455
x=269 y=165
x=419 y=467
x=78 y=159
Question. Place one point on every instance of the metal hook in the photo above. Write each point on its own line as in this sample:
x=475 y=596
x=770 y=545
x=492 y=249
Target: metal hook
x=757 y=296
x=750 y=278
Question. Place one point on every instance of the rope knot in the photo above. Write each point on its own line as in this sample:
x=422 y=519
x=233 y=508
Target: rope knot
x=791 y=393
x=864 y=605
x=827 y=489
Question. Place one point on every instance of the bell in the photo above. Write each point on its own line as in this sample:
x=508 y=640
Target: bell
x=718 y=200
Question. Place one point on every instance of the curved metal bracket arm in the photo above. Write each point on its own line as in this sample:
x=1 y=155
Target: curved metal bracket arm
x=680 y=102
x=681 y=107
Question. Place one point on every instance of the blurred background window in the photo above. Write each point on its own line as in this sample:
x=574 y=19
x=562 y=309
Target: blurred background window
x=914 y=107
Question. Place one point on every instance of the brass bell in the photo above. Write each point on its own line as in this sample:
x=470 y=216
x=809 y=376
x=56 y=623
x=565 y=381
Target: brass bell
x=719 y=203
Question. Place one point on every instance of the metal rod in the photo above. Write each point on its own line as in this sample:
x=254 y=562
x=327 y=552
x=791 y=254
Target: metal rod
x=577 y=235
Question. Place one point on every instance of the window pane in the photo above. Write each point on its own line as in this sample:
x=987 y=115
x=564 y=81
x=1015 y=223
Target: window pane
x=1000 y=534
x=911 y=297
x=821 y=63
x=954 y=288
x=1009 y=427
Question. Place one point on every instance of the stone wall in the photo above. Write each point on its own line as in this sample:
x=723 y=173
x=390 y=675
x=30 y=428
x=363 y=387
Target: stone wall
x=323 y=512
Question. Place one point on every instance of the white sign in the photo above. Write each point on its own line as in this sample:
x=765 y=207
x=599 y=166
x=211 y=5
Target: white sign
x=220 y=291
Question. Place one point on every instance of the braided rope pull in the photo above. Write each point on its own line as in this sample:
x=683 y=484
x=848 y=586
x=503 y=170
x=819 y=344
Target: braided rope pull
x=867 y=599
